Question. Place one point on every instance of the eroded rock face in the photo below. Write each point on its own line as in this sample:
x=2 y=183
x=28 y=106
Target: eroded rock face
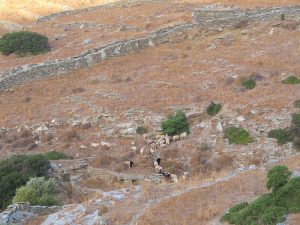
x=75 y=214
x=21 y=212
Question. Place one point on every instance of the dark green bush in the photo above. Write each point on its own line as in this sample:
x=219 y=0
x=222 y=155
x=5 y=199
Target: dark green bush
x=38 y=191
x=278 y=176
x=141 y=130
x=296 y=119
x=213 y=109
x=297 y=104
x=23 y=42
x=291 y=80
x=238 y=136
x=249 y=84
x=271 y=208
x=16 y=171
x=282 y=136
x=54 y=155
x=176 y=124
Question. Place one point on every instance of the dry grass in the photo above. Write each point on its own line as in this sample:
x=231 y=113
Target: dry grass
x=200 y=206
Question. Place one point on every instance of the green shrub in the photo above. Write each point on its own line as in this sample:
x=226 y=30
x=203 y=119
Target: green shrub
x=249 y=84
x=291 y=80
x=38 y=191
x=176 y=124
x=282 y=136
x=271 y=208
x=278 y=176
x=141 y=130
x=213 y=109
x=16 y=171
x=23 y=42
x=54 y=155
x=296 y=119
x=238 y=136
x=297 y=104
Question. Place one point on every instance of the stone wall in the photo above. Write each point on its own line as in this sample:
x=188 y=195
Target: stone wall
x=93 y=8
x=205 y=18
x=24 y=73
x=19 y=212
x=227 y=17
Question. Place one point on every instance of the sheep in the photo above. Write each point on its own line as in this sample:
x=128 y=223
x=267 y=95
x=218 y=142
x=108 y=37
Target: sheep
x=183 y=135
x=133 y=149
x=166 y=175
x=158 y=169
x=152 y=151
x=131 y=164
x=167 y=138
x=128 y=164
x=142 y=151
x=176 y=138
x=158 y=161
x=185 y=176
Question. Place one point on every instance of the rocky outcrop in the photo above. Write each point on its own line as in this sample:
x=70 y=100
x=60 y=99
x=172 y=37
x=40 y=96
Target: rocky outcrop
x=20 y=212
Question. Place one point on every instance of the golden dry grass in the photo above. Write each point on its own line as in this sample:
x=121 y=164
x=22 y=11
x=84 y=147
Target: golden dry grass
x=201 y=206
x=28 y=10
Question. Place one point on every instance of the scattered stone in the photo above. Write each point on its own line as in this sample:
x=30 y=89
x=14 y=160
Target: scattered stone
x=87 y=41
x=174 y=178
x=219 y=127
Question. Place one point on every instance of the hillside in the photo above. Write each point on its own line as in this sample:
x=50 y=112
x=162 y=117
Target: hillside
x=114 y=74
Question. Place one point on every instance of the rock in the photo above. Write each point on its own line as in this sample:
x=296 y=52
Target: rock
x=183 y=135
x=74 y=214
x=211 y=46
x=87 y=41
x=174 y=178
x=95 y=145
x=240 y=119
x=219 y=127
x=105 y=144
x=252 y=167
x=253 y=112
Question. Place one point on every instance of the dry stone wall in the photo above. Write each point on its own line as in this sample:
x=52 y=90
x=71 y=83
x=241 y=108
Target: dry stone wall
x=93 y=8
x=226 y=16
x=205 y=18
x=24 y=73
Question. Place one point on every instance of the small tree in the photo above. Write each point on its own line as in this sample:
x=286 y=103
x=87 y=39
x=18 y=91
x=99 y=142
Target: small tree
x=176 y=124
x=249 y=84
x=278 y=176
x=23 y=42
x=213 y=109
x=16 y=171
x=238 y=136
x=38 y=191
